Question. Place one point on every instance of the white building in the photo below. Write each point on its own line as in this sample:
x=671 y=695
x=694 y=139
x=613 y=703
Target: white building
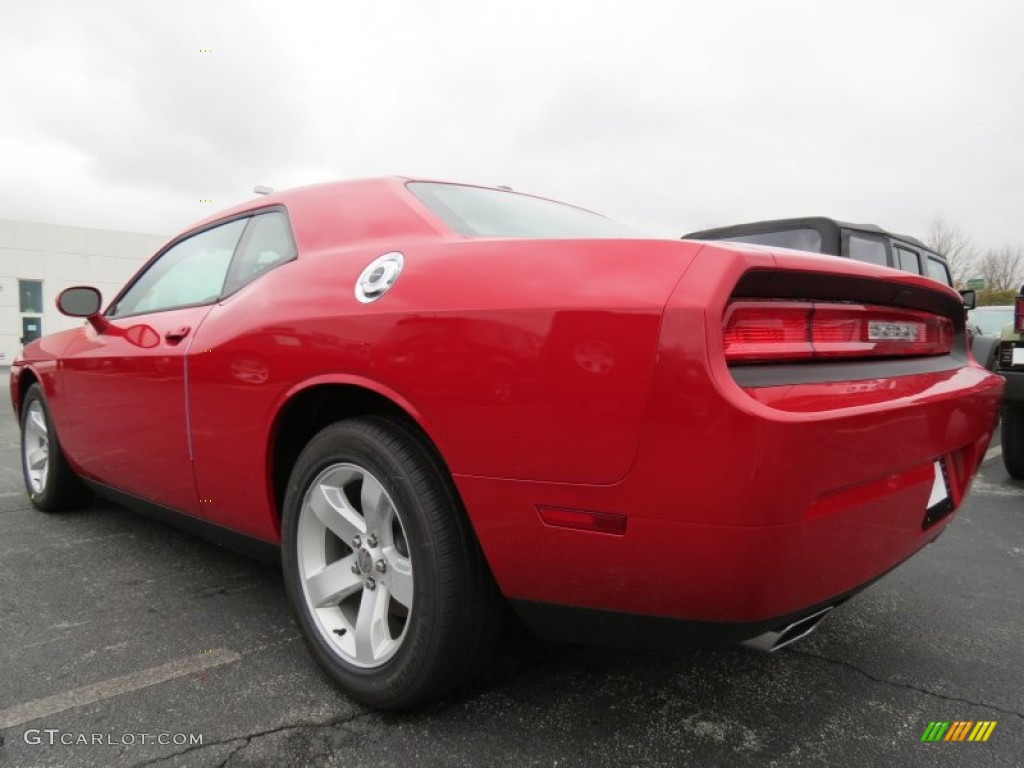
x=38 y=261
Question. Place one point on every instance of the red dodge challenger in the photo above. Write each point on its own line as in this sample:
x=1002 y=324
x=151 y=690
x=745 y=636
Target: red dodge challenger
x=433 y=401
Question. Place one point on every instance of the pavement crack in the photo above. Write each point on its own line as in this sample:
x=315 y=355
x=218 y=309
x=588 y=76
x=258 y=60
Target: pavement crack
x=245 y=743
x=906 y=686
x=247 y=739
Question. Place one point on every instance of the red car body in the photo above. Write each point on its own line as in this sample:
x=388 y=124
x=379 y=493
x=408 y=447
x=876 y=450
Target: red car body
x=567 y=384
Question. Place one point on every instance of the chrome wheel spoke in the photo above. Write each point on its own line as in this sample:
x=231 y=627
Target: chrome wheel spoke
x=375 y=504
x=399 y=577
x=38 y=421
x=37 y=458
x=371 y=625
x=333 y=510
x=333 y=583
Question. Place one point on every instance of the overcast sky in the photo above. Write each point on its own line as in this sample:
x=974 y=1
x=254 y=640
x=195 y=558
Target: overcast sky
x=669 y=116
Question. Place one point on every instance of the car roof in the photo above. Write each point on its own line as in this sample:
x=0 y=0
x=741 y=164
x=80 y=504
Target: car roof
x=360 y=209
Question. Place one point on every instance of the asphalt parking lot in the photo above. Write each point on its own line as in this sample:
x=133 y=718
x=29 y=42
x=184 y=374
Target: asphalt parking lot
x=118 y=629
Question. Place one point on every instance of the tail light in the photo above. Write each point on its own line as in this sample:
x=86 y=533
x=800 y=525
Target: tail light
x=1018 y=313
x=779 y=331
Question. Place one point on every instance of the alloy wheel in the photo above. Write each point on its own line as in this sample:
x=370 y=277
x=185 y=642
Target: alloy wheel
x=35 y=446
x=354 y=565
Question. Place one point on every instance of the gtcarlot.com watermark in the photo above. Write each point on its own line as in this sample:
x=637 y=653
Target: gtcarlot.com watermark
x=54 y=736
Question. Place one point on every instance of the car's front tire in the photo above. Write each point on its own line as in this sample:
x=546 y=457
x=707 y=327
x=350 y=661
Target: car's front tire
x=51 y=484
x=383 y=571
x=1012 y=440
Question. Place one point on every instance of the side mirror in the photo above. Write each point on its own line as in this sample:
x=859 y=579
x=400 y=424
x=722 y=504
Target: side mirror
x=970 y=298
x=83 y=301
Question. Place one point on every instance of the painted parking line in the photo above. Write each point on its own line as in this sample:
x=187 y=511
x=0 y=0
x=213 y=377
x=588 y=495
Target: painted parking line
x=992 y=453
x=79 y=697
x=983 y=487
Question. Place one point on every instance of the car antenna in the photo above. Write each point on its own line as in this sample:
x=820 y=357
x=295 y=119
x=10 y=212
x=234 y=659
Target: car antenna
x=259 y=189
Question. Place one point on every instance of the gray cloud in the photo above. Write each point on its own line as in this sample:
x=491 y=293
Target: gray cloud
x=670 y=116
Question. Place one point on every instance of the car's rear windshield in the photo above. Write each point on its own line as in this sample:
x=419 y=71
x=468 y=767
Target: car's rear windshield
x=482 y=212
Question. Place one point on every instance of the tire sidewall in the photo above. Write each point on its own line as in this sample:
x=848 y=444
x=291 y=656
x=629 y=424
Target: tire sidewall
x=1011 y=439
x=345 y=443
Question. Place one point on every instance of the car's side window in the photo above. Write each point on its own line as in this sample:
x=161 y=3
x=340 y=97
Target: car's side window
x=867 y=248
x=937 y=271
x=907 y=260
x=267 y=243
x=189 y=273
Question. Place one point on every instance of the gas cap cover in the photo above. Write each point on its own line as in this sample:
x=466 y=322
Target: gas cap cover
x=378 y=277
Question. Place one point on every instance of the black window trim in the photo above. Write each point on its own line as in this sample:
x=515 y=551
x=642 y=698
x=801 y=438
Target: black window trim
x=844 y=249
x=929 y=257
x=248 y=214
x=897 y=246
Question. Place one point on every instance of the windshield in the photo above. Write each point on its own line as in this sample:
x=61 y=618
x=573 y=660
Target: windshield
x=991 y=319
x=482 y=212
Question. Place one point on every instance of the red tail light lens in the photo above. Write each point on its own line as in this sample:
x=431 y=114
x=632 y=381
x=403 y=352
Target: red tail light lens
x=774 y=331
x=767 y=330
x=1018 y=314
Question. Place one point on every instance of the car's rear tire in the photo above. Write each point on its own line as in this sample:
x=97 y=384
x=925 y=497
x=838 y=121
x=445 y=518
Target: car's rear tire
x=386 y=578
x=1012 y=438
x=51 y=484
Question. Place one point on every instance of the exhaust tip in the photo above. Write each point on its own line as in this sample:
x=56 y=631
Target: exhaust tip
x=774 y=640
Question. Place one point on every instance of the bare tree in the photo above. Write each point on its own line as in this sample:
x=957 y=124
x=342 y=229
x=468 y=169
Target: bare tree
x=950 y=241
x=1003 y=268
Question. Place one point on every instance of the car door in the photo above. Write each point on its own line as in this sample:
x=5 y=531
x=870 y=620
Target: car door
x=125 y=386
x=238 y=371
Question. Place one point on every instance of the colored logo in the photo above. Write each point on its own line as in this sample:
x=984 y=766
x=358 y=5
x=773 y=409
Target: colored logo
x=959 y=730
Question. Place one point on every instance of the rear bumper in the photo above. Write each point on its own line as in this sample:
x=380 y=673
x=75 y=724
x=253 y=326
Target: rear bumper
x=569 y=624
x=743 y=512
x=747 y=503
x=563 y=623
x=739 y=580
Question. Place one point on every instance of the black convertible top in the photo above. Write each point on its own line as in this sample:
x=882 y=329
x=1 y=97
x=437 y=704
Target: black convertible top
x=822 y=224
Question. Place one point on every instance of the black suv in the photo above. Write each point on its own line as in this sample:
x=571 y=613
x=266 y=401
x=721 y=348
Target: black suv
x=1011 y=368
